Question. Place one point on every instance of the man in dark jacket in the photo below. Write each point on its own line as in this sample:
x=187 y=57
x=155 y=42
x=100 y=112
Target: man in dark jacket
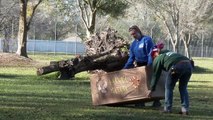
x=179 y=68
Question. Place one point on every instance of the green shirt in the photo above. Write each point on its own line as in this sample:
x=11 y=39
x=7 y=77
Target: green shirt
x=164 y=62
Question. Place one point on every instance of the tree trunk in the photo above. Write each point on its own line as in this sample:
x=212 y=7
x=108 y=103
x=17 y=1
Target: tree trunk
x=22 y=33
x=24 y=26
x=186 y=41
x=88 y=16
x=90 y=29
x=173 y=40
x=186 y=49
x=6 y=45
x=69 y=68
x=103 y=52
x=202 y=44
x=92 y=24
x=6 y=40
x=173 y=45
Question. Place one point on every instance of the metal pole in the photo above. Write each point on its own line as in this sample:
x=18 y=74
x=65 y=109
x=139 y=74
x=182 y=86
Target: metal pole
x=55 y=35
x=76 y=30
x=12 y=34
x=66 y=46
x=207 y=51
x=56 y=20
x=202 y=37
x=34 y=45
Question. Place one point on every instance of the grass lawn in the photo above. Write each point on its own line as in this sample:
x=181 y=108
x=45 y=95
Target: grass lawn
x=25 y=96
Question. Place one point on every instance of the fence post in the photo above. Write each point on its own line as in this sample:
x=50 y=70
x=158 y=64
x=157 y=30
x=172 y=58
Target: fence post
x=207 y=51
x=202 y=37
x=76 y=30
x=66 y=46
x=34 y=45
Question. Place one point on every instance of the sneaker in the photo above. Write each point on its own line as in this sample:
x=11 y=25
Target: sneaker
x=140 y=105
x=184 y=113
x=156 y=104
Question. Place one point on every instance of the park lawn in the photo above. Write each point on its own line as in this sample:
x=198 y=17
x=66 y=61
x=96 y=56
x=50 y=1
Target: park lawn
x=25 y=96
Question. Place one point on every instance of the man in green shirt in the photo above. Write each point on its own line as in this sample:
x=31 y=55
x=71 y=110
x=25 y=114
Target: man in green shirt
x=178 y=68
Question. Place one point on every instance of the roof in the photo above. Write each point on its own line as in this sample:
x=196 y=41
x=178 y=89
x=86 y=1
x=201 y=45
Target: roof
x=73 y=39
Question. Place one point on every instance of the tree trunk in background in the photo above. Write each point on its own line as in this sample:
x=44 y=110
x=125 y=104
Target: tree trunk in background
x=6 y=45
x=22 y=32
x=88 y=16
x=202 y=46
x=6 y=40
x=186 y=40
x=24 y=26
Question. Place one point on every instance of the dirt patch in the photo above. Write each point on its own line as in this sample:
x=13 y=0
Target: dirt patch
x=9 y=59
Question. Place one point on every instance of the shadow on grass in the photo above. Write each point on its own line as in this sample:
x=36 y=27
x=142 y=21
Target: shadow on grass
x=72 y=82
x=56 y=76
x=8 y=76
x=199 y=81
x=199 y=87
x=46 y=96
x=201 y=70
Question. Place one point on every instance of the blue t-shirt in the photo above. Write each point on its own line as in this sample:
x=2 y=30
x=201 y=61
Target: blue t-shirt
x=140 y=51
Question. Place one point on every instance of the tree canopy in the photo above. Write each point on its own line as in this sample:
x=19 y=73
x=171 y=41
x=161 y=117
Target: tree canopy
x=177 y=22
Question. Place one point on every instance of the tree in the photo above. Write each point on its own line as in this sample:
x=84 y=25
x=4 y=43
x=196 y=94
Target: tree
x=181 y=18
x=90 y=8
x=140 y=14
x=198 y=16
x=168 y=12
x=25 y=19
x=7 y=22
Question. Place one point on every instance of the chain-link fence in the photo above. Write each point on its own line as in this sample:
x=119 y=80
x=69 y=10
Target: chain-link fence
x=201 y=49
x=204 y=49
x=49 y=46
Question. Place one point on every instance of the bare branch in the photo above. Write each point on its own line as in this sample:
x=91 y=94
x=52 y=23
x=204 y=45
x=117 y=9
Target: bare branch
x=82 y=14
x=8 y=10
x=33 y=12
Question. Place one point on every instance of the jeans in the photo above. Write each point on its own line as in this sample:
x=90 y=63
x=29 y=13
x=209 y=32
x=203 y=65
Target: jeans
x=181 y=72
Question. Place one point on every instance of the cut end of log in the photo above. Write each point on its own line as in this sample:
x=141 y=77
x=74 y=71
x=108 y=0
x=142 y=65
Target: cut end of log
x=39 y=72
x=47 y=69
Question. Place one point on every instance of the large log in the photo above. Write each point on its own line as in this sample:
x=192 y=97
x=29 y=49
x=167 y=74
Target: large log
x=47 y=69
x=104 y=51
x=68 y=68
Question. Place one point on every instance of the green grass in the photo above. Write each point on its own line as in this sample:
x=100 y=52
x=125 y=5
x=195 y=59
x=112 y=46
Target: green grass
x=46 y=58
x=25 y=96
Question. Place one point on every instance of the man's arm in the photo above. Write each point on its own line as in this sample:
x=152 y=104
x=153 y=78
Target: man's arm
x=157 y=69
x=131 y=58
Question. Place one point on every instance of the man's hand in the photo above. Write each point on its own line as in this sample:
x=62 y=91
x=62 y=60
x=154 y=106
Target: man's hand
x=149 y=93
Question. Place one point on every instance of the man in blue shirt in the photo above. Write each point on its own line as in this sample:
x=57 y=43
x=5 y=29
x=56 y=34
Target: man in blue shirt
x=140 y=49
x=140 y=53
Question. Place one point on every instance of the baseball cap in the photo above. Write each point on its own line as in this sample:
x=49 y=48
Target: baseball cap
x=155 y=50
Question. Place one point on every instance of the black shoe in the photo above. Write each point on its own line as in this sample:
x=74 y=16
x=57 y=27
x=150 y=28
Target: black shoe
x=140 y=105
x=184 y=113
x=156 y=104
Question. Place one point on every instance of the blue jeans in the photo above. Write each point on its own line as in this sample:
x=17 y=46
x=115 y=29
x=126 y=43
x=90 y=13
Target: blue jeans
x=181 y=72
